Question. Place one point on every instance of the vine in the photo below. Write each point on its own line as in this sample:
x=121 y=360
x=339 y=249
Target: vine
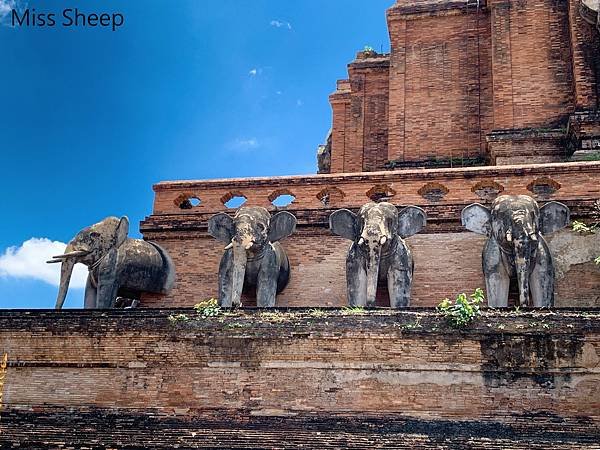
x=3 y=366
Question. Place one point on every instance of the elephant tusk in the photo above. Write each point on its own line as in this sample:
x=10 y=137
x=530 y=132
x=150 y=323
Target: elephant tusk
x=230 y=246
x=73 y=254
x=383 y=240
x=361 y=241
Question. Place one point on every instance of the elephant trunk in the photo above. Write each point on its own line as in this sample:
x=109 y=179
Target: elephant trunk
x=66 y=270
x=373 y=274
x=240 y=259
x=523 y=279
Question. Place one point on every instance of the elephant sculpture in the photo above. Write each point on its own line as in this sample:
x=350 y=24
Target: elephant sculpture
x=379 y=252
x=118 y=265
x=516 y=248
x=253 y=258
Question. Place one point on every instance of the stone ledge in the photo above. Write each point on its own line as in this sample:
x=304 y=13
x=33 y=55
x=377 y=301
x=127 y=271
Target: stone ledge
x=470 y=172
x=293 y=322
x=440 y=218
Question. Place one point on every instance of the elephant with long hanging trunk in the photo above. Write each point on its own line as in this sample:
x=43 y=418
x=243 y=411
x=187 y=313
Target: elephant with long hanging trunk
x=516 y=248
x=379 y=252
x=253 y=258
x=118 y=265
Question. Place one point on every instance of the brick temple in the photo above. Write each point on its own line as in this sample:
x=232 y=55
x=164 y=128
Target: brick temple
x=470 y=83
x=475 y=99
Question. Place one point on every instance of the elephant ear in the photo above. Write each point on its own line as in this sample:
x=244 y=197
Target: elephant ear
x=477 y=218
x=554 y=216
x=411 y=220
x=122 y=231
x=282 y=225
x=221 y=227
x=343 y=223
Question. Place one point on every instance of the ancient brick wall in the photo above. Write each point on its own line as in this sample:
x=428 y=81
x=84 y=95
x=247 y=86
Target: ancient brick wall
x=447 y=259
x=132 y=350
x=517 y=370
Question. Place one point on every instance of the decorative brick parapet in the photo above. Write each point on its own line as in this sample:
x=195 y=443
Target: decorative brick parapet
x=578 y=181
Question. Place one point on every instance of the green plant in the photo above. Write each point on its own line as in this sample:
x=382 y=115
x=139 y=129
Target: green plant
x=315 y=312
x=276 y=316
x=3 y=366
x=353 y=310
x=413 y=326
x=463 y=310
x=174 y=318
x=580 y=227
x=208 y=308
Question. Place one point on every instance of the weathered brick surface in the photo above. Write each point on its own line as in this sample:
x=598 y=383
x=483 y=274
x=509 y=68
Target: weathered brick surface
x=447 y=259
x=360 y=138
x=527 y=146
x=585 y=43
x=531 y=55
x=459 y=71
x=512 y=369
x=62 y=428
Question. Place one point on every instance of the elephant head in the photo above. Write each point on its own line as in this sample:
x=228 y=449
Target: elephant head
x=516 y=223
x=376 y=230
x=248 y=234
x=90 y=246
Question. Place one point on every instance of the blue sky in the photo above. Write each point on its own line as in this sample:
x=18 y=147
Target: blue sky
x=186 y=89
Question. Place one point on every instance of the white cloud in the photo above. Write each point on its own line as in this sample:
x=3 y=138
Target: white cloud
x=29 y=261
x=6 y=6
x=281 y=24
x=245 y=144
x=299 y=103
